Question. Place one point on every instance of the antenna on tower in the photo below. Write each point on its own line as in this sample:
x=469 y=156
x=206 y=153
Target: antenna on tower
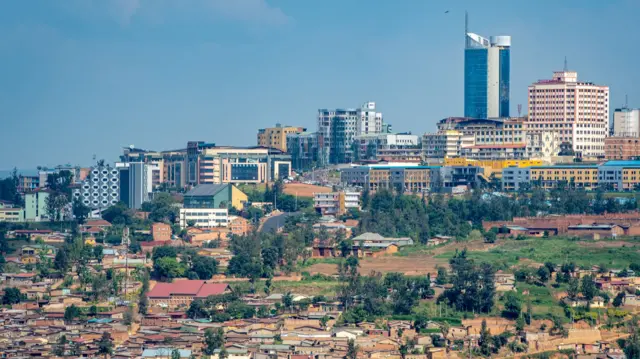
x=519 y=109
x=626 y=101
x=566 y=67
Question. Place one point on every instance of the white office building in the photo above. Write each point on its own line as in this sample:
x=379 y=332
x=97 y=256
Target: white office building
x=204 y=217
x=626 y=122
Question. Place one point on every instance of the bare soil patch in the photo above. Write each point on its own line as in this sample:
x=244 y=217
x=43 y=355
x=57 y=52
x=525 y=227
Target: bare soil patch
x=304 y=190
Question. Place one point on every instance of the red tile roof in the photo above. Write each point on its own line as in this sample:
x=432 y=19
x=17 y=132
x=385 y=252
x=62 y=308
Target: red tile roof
x=195 y=288
x=186 y=287
x=212 y=289
x=97 y=223
x=33 y=231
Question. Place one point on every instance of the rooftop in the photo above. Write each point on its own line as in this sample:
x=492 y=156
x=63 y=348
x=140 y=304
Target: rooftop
x=206 y=190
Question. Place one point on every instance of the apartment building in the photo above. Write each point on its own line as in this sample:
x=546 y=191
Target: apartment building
x=338 y=127
x=28 y=183
x=10 y=214
x=207 y=205
x=137 y=182
x=35 y=206
x=101 y=188
x=336 y=203
x=445 y=144
x=367 y=147
x=622 y=148
x=577 y=111
x=303 y=148
x=276 y=137
x=612 y=175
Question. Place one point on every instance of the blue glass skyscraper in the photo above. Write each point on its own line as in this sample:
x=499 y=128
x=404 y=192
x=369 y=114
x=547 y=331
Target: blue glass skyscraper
x=486 y=75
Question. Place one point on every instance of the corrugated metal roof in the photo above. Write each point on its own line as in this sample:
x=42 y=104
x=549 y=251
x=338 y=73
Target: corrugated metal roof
x=622 y=163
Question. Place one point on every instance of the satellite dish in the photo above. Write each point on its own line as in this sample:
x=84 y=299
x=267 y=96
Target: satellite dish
x=131 y=146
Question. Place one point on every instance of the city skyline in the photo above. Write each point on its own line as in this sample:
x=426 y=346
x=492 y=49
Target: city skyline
x=87 y=78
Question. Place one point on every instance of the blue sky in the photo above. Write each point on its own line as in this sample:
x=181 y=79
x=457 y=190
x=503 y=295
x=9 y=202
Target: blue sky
x=85 y=77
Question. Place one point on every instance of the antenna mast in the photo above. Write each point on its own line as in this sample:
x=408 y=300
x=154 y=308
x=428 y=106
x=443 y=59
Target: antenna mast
x=566 y=67
x=466 y=26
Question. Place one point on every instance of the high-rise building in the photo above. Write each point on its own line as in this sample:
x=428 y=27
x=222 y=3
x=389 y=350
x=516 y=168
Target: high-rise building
x=577 y=111
x=486 y=75
x=101 y=188
x=276 y=137
x=303 y=148
x=136 y=182
x=337 y=128
x=626 y=122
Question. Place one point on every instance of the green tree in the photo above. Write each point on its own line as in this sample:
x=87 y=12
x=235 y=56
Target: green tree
x=352 y=350
x=167 y=268
x=11 y=296
x=128 y=316
x=204 y=267
x=61 y=261
x=175 y=354
x=213 y=339
x=573 y=288
x=98 y=253
x=512 y=305
x=588 y=288
x=143 y=302
x=618 y=300
x=441 y=278
x=544 y=274
x=105 y=345
x=80 y=211
x=71 y=313
x=485 y=339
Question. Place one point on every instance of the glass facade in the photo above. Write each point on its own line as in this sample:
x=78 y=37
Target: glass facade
x=505 y=64
x=475 y=82
x=244 y=172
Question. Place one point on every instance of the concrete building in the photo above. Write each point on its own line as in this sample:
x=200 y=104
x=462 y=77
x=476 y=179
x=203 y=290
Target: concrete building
x=28 y=183
x=577 y=111
x=622 y=148
x=336 y=203
x=215 y=196
x=444 y=144
x=12 y=215
x=303 y=148
x=626 y=122
x=101 y=188
x=204 y=217
x=219 y=164
x=136 y=182
x=276 y=137
x=161 y=232
x=486 y=75
x=338 y=127
x=612 y=175
x=35 y=206
x=368 y=146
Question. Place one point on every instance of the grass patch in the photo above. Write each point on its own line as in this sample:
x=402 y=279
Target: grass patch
x=313 y=261
x=413 y=250
x=555 y=250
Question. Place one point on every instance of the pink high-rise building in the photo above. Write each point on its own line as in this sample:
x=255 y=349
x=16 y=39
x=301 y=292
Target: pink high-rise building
x=577 y=111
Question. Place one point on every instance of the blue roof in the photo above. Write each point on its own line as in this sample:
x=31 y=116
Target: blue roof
x=622 y=163
x=164 y=352
x=385 y=167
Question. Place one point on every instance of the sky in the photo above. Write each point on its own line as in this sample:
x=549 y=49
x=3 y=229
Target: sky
x=80 y=78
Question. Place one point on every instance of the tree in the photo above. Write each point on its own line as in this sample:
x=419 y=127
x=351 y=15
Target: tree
x=490 y=237
x=544 y=274
x=11 y=296
x=588 y=288
x=323 y=322
x=161 y=208
x=204 y=267
x=61 y=261
x=222 y=354
x=352 y=350
x=71 y=313
x=485 y=339
x=80 y=211
x=442 y=276
x=573 y=288
x=618 y=300
x=520 y=324
x=213 y=339
x=197 y=310
x=98 y=253
x=105 y=345
x=528 y=316
x=61 y=344
x=128 y=316
x=164 y=251
x=175 y=354
x=143 y=302
x=512 y=305
x=287 y=301
x=167 y=268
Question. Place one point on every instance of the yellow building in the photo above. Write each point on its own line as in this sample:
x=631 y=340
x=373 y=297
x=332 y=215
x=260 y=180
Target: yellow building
x=11 y=215
x=492 y=167
x=276 y=137
x=576 y=176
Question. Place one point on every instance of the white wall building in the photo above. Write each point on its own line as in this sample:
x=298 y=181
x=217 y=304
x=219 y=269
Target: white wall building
x=577 y=111
x=204 y=217
x=626 y=122
x=101 y=188
x=336 y=203
x=369 y=120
